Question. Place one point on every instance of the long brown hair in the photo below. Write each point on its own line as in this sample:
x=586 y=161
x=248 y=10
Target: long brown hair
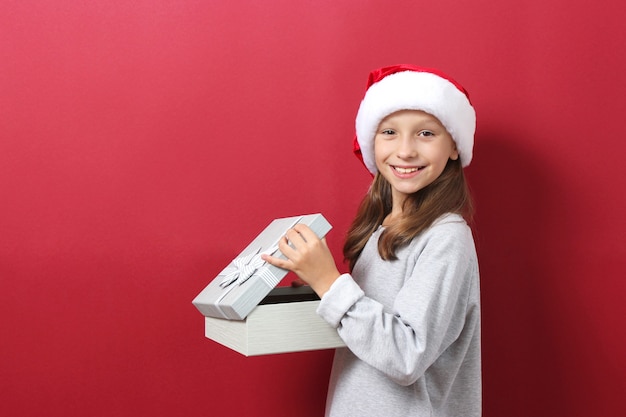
x=449 y=193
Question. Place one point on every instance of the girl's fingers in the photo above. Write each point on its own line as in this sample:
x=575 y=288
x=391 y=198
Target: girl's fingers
x=295 y=237
x=272 y=260
x=286 y=248
x=305 y=232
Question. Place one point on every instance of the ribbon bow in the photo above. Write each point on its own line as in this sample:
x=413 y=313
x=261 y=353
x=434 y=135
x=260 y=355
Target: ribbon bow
x=245 y=267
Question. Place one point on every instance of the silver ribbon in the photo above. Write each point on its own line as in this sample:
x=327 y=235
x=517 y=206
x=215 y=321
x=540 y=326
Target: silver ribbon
x=244 y=267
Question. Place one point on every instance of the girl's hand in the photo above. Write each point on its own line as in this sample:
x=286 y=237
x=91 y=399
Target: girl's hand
x=308 y=256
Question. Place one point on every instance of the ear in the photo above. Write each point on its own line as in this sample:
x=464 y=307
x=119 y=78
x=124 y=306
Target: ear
x=454 y=155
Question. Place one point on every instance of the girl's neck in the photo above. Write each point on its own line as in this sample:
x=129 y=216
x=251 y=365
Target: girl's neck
x=392 y=218
x=396 y=210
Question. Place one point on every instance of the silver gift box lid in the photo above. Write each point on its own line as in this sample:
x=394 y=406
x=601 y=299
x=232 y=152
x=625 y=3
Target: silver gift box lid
x=247 y=280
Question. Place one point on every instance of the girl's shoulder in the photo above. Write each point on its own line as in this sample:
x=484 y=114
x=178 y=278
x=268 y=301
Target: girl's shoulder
x=451 y=229
x=450 y=218
x=449 y=221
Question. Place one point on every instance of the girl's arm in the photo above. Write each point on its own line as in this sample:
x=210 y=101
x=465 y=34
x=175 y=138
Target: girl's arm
x=429 y=313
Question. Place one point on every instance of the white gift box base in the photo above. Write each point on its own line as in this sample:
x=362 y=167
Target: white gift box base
x=276 y=328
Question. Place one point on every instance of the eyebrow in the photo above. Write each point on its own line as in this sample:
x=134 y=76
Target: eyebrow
x=426 y=124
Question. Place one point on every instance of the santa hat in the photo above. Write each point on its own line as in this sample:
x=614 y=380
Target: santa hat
x=408 y=87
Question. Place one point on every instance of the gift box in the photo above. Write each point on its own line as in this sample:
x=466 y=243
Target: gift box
x=285 y=321
x=245 y=311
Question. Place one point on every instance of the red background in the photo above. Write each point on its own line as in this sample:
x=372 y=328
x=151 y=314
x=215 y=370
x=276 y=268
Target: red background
x=144 y=143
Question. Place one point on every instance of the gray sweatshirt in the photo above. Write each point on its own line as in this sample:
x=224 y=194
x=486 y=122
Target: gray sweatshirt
x=411 y=327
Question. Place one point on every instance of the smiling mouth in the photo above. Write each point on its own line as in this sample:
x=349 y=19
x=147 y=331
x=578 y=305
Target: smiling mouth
x=401 y=170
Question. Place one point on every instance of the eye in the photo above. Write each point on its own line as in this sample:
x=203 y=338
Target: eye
x=387 y=132
x=426 y=133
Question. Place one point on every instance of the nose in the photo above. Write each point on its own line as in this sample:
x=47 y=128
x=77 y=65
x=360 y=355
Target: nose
x=406 y=147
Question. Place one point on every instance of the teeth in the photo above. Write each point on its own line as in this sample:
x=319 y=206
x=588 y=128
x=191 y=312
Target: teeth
x=405 y=170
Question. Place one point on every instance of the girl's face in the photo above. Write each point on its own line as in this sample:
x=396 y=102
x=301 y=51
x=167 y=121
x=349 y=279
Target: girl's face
x=411 y=149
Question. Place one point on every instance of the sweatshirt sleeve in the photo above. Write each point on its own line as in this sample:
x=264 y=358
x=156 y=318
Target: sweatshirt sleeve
x=428 y=312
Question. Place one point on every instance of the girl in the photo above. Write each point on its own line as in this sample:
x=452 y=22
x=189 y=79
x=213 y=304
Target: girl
x=409 y=310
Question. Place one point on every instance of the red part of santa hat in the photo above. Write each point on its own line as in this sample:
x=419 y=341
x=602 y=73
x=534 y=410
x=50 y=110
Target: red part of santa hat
x=409 y=87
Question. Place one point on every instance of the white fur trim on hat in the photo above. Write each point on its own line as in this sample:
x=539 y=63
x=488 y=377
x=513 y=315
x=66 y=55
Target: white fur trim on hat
x=416 y=90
